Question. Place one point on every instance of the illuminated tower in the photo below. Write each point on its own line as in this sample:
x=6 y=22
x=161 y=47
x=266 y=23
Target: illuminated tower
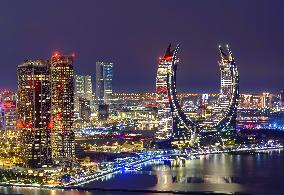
x=282 y=99
x=266 y=100
x=186 y=132
x=228 y=99
x=162 y=100
x=8 y=110
x=104 y=75
x=78 y=91
x=34 y=112
x=62 y=107
x=82 y=89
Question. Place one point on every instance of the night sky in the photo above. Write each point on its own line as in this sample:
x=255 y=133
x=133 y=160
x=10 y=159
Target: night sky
x=134 y=33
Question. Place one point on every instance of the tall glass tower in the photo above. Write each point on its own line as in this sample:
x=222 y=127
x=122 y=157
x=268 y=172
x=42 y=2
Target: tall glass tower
x=62 y=107
x=104 y=75
x=34 y=112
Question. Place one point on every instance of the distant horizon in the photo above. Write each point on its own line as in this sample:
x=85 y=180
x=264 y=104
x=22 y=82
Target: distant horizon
x=122 y=33
x=119 y=90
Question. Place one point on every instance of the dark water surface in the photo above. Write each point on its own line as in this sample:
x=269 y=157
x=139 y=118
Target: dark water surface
x=254 y=174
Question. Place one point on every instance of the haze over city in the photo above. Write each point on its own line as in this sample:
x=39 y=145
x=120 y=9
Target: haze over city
x=134 y=34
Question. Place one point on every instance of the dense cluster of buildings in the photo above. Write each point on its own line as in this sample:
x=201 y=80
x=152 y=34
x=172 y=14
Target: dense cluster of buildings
x=52 y=103
x=49 y=99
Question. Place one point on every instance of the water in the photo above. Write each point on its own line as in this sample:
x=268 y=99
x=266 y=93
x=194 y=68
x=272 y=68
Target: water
x=253 y=174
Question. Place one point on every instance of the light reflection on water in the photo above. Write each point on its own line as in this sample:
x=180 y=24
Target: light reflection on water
x=259 y=174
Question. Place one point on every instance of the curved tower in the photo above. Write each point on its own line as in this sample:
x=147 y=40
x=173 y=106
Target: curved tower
x=227 y=103
x=162 y=100
x=184 y=130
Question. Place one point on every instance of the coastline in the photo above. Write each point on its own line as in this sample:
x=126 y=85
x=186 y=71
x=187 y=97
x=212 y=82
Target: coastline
x=77 y=186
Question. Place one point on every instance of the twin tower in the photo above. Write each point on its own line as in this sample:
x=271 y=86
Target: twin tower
x=175 y=125
x=45 y=110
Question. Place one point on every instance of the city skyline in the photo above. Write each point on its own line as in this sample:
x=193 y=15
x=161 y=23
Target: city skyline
x=141 y=97
x=255 y=37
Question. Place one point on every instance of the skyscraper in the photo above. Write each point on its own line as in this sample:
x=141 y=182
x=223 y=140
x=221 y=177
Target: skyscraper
x=162 y=99
x=8 y=110
x=62 y=107
x=34 y=112
x=85 y=109
x=82 y=89
x=266 y=100
x=282 y=99
x=228 y=99
x=104 y=75
x=88 y=87
x=227 y=84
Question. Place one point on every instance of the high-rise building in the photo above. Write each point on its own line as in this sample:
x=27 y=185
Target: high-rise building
x=8 y=110
x=34 y=112
x=104 y=75
x=227 y=70
x=282 y=99
x=78 y=91
x=265 y=100
x=85 y=109
x=82 y=89
x=62 y=107
x=162 y=99
x=88 y=87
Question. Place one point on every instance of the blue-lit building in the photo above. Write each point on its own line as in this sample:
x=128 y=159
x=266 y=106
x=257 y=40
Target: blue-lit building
x=104 y=75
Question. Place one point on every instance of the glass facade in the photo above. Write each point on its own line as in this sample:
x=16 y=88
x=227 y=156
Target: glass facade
x=104 y=75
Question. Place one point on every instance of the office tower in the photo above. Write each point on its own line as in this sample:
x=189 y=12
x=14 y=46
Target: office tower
x=266 y=100
x=8 y=110
x=85 y=109
x=282 y=99
x=162 y=100
x=62 y=107
x=78 y=91
x=34 y=112
x=104 y=74
x=88 y=87
x=82 y=89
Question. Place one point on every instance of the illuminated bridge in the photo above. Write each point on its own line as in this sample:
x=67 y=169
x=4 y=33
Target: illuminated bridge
x=185 y=132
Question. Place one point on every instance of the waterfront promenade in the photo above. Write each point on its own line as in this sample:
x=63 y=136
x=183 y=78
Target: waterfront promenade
x=135 y=163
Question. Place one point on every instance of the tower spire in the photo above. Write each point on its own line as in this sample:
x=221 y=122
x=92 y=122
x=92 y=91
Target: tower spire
x=168 y=51
x=223 y=55
x=231 y=57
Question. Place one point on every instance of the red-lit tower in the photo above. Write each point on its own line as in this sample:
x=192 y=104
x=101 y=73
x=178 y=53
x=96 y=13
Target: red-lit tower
x=62 y=108
x=34 y=112
x=162 y=99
